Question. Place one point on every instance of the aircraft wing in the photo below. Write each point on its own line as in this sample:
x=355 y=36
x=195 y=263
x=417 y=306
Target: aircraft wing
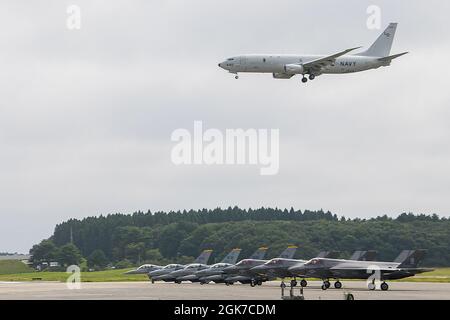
x=315 y=66
x=343 y=270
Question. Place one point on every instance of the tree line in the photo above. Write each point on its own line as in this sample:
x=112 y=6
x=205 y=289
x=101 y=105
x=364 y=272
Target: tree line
x=161 y=238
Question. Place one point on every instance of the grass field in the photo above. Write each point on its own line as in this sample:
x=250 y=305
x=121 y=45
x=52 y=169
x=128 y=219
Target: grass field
x=96 y=276
x=13 y=267
x=439 y=275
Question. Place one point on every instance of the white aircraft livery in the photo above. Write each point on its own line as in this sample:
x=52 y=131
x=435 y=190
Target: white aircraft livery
x=287 y=66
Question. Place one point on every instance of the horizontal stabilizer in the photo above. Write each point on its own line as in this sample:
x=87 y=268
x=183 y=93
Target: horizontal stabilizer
x=390 y=58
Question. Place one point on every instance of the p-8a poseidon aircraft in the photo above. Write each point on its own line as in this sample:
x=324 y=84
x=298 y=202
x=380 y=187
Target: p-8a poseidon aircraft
x=287 y=66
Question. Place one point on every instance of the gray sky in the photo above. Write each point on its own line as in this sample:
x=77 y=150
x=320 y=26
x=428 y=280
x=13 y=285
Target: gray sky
x=86 y=115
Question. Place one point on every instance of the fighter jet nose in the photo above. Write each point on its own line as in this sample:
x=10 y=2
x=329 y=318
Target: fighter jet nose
x=259 y=268
x=229 y=269
x=297 y=270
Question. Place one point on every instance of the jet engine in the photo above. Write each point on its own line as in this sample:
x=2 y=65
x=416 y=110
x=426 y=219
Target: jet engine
x=294 y=69
x=282 y=75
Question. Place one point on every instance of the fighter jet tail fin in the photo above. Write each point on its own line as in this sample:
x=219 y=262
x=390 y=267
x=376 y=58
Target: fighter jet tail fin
x=329 y=254
x=369 y=255
x=289 y=252
x=203 y=257
x=232 y=256
x=259 y=254
x=382 y=46
x=410 y=258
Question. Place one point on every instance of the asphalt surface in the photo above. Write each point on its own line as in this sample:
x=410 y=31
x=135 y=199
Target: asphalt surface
x=193 y=291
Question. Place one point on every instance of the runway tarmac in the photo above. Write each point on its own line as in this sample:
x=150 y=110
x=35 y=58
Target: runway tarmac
x=194 y=291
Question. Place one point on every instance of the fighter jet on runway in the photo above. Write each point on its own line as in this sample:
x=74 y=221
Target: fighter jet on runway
x=190 y=272
x=217 y=274
x=287 y=66
x=164 y=274
x=281 y=268
x=405 y=265
x=242 y=271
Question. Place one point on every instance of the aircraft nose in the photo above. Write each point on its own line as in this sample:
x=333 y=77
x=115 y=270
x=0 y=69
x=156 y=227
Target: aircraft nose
x=201 y=273
x=298 y=270
x=131 y=272
x=229 y=269
x=259 y=268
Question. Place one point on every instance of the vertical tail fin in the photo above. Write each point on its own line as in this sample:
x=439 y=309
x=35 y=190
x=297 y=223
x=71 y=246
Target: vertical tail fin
x=203 y=257
x=259 y=254
x=232 y=256
x=289 y=252
x=328 y=254
x=382 y=46
x=410 y=258
x=369 y=255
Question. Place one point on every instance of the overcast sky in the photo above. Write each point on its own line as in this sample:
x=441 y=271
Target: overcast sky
x=86 y=115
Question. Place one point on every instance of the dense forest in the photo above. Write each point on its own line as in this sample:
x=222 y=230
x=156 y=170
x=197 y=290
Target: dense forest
x=179 y=236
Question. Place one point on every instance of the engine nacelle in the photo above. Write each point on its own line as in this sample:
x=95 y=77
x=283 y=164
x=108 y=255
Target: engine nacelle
x=294 y=69
x=282 y=75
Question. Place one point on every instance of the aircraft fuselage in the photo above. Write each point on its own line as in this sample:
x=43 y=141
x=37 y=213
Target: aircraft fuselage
x=273 y=63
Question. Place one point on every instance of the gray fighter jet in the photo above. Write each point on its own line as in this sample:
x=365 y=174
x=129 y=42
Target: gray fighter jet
x=164 y=274
x=279 y=268
x=190 y=272
x=405 y=265
x=216 y=272
x=357 y=256
x=242 y=272
x=144 y=269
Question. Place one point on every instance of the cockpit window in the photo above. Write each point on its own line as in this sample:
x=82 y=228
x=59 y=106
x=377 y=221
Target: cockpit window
x=313 y=262
x=230 y=59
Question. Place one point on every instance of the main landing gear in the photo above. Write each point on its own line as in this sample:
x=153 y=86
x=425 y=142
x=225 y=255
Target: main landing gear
x=326 y=285
x=384 y=286
x=254 y=283
x=305 y=79
x=303 y=283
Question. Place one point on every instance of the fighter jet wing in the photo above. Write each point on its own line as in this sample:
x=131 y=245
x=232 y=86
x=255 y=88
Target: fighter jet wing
x=341 y=270
x=315 y=66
